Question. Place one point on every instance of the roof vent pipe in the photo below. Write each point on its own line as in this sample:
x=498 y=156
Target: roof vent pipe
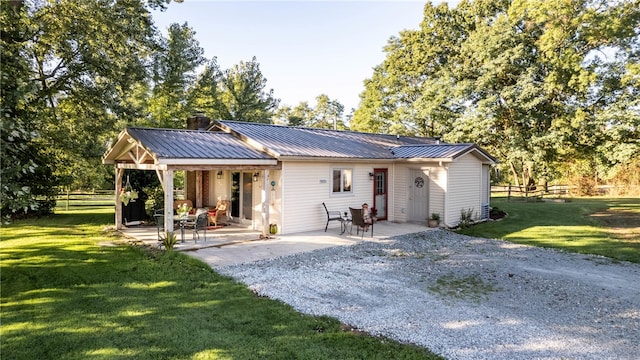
x=437 y=139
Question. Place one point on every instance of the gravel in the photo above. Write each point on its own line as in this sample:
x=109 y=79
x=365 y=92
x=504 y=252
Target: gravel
x=464 y=297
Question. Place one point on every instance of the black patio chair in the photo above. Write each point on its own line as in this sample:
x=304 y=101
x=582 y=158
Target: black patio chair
x=357 y=219
x=333 y=215
x=200 y=223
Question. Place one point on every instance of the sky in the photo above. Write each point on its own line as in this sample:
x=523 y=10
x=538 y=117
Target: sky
x=304 y=48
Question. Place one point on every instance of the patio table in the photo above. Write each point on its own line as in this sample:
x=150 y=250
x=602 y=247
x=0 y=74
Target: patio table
x=185 y=220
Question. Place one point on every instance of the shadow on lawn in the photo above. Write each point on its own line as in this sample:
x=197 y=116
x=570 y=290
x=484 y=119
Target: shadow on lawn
x=77 y=301
x=585 y=225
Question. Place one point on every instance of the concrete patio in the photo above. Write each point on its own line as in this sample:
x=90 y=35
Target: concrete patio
x=234 y=244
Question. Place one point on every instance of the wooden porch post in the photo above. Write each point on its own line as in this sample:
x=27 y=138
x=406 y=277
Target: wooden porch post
x=198 y=189
x=167 y=185
x=119 y=176
x=265 y=203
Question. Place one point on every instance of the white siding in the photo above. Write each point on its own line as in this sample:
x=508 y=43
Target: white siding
x=306 y=185
x=400 y=183
x=437 y=190
x=463 y=190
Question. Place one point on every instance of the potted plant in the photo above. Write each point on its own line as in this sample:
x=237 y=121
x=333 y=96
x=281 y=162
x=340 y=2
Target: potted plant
x=434 y=220
x=183 y=211
x=128 y=196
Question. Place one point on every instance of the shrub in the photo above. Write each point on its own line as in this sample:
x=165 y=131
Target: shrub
x=466 y=218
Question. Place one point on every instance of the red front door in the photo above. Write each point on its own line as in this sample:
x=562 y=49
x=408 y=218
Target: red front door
x=380 y=193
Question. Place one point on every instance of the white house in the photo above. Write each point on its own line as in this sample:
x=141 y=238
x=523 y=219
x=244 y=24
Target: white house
x=282 y=174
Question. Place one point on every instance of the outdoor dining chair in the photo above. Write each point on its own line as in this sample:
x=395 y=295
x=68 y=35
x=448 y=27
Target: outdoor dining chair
x=333 y=215
x=200 y=223
x=357 y=219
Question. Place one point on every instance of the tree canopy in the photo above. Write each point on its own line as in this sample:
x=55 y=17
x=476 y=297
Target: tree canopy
x=540 y=84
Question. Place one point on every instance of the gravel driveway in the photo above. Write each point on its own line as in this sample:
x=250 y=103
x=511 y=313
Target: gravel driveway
x=464 y=297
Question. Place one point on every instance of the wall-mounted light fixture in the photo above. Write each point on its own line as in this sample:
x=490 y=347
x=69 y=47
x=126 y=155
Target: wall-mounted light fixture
x=219 y=175
x=371 y=176
x=255 y=177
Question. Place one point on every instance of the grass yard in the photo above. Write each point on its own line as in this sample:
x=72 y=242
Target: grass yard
x=602 y=226
x=64 y=296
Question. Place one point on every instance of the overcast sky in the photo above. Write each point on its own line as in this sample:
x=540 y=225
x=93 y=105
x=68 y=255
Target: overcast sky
x=304 y=48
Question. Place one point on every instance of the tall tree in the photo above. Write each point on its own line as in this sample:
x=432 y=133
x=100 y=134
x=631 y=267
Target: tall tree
x=22 y=162
x=243 y=96
x=75 y=62
x=522 y=78
x=174 y=72
x=327 y=114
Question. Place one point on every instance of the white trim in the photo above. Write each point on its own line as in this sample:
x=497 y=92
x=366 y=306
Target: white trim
x=342 y=192
x=193 y=161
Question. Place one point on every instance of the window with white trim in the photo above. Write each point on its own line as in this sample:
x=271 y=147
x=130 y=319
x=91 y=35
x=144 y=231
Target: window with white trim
x=342 y=181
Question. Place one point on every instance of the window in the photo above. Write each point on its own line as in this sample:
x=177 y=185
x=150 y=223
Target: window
x=342 y=180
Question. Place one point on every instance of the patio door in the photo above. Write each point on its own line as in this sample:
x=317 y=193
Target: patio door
x=242 y=196
x=380 y=193
x=418 y=195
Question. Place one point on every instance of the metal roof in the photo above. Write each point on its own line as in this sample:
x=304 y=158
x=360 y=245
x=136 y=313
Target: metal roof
x=193 y=144
x=290 y=141
x=437 y=151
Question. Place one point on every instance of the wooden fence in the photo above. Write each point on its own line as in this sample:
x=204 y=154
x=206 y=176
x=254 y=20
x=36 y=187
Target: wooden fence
x=86 y=197
x=514 y=192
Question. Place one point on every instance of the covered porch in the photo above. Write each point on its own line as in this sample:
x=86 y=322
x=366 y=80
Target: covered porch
x=217 y=166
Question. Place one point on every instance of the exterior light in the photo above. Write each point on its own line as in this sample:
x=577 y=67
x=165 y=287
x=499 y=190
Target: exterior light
x=371 y=176
x=219 y=175
x=255 y=177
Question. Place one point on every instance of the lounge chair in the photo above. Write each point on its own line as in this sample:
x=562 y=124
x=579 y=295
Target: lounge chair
x=220 y=214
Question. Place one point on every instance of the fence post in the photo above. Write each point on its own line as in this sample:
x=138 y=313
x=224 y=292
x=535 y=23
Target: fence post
x=509 y=193
x=67 y=199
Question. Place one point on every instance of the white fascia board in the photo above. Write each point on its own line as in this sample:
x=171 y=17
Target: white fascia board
x=423 y=160
x=477 y=153
x=333 y=159
x=217 y=162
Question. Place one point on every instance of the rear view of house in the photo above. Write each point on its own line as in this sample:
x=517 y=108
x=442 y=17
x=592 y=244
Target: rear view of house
x=282 y=174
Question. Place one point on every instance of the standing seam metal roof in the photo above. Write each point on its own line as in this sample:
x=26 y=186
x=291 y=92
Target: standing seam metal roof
x=194 y=144
x=311 y=142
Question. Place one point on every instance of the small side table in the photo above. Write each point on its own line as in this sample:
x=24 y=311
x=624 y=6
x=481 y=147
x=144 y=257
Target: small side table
x=345 y=220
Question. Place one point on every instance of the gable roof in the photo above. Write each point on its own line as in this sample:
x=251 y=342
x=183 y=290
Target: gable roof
x=440 y=151
x=300 y=142
x=292 y=141
x=169 y=146
x=244 y=143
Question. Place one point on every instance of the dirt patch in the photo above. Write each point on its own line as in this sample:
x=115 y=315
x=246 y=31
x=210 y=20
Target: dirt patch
x=622 y=223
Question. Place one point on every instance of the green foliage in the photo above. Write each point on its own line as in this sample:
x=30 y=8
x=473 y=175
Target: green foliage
x=466 y=218
x=571 y=226
x=169 y=240
x=28 y=186
x=64 y=296
x=174 y=70
x=327 y=114
x=435 y=216
x=537 y=83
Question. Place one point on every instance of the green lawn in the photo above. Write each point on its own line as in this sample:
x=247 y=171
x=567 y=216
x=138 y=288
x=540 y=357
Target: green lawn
x=64 y=296
x=602 y=226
